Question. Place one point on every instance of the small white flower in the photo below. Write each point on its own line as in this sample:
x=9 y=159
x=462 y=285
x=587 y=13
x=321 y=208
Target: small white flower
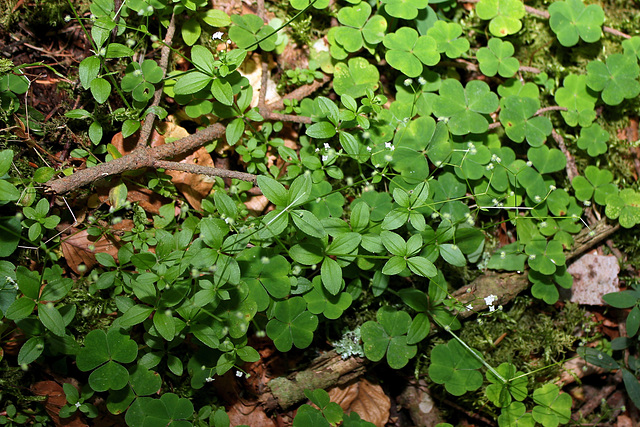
x=67 y=18
x=387 y=145
x=239 y=374
x=552 y=187
x=326 y=146
x=422 y=81
x=490 y=299
x=229 y=41
x=490 y=166
x=503 y=255
x=368 y=149
x=366 y=135
x=491 y=309
x=587 y=203
x=209 y=379
x=529 y=163
x=392 y=148
x=217 y=35
x=537 y=199
x=77 y=404
x=317 y=149
x=469 y=307
x=408 y=82
x=325 y=158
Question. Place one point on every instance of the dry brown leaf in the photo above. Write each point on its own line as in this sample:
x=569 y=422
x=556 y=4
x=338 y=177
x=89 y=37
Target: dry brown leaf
x=56 y=399
x=365 y=398
x=257 y=204
x=249 y=413
x=80 y=249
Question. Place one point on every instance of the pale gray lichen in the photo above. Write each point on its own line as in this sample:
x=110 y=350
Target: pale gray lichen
x=350 y=344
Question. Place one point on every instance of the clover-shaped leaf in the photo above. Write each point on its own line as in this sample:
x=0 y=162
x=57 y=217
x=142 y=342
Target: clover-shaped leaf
x=617 y=79
x=447 y=37
x=571 y=20
x=464 y=107
x=595 y=183
x=516 y=415
x=501 y=393
x=356 y=28
x=455 y=367
x=545 y=257
x=547 y=160
x=388 y=336
x=578 y=99
x=407 y=51
x=102 y=350
x=320 y=301
x=168 y=410
x=292 y=324
x=404 y=9
x=519 y=120
x=497 y=58
x=632 y=46
x=355 y=78
x=302 y=4
x=552 y=407
x=593 y=139
x=472 y=158
x=504 y=15
x=140 y=78
x=249 y=29
x=624 y=206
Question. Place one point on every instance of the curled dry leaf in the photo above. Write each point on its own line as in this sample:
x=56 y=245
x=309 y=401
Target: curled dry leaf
x=365 y=398
x=252 y=69
x=257 y=204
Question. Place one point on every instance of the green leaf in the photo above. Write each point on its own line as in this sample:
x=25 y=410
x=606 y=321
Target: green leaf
x=191 y=83
x=273 y=190
x=593 y=139
x=447 y=37
x=100 y=89
x=515 y=415
x=20 y=309
x=617 y=79
x=235 y=130
x=292 y=325
x=419 y=328
x=497 y=58
x=624 y=299
x=222 y=91
x=88 y=70
x=321 y=130
x=388 y=336
x=422 y=266
x=308 y=223
x=519 y=120
x=30 y=350
x=547 y=160
x=404 y=9
x=216 y=18
x=505 y=15
x=464 y=107
x=552 y=407
x=625 y=207
x=501 y=393
x=597 y=358
x=165 y=324
x=578 y=99
x=571 y=20
x=203 y=58
x=117 y=50
x=632 y=386
x=51 y=319
x=355 y=77
x=331 y=274
x=455 y=367
x=407 y=51
x=191 y=31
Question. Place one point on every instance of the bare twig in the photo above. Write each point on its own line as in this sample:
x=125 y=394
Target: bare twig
x=147 y=126
x=572 y=169
x=138 y=159
x=204 y=170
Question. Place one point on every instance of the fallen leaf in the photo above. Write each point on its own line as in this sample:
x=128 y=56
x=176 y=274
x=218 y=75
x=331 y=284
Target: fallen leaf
x=79 y=248
x=56 y=399
x=364 y=398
